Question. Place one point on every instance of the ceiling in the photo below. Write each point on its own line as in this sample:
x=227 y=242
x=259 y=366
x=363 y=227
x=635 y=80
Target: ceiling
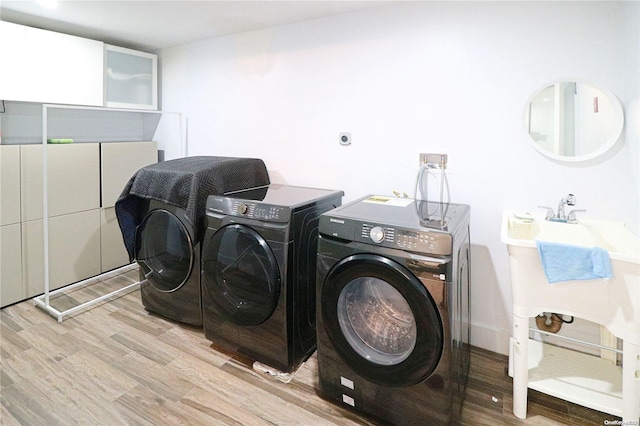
x=151 y=25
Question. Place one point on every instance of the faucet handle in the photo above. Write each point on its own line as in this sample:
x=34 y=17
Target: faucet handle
x=571 y=218
x=549 y=212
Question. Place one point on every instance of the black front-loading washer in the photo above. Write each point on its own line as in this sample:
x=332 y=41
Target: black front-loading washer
x=393 y=309
x=258 y=272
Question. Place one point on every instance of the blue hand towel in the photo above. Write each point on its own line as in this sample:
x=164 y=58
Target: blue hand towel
x=563 y=262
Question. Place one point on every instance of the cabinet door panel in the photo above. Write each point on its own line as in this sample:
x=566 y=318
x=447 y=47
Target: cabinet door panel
x=11 y=288
x=9 y=184
x=113 y=252
x=73 y=173
x=67 y=69
x=74 y=250
x=119 y=161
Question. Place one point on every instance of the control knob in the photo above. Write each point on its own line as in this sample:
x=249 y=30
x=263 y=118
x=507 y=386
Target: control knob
x=376 y=234
x=243 y=208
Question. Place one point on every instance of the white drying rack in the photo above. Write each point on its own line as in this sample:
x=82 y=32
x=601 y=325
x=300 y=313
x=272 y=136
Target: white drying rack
x=43 y=301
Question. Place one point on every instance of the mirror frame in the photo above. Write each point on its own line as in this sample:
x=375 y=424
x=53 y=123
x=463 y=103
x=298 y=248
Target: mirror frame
x=604 y=148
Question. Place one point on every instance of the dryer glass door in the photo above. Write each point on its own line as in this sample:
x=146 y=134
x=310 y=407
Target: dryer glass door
x=164 y=250
x=240 y=275
x=382 y=320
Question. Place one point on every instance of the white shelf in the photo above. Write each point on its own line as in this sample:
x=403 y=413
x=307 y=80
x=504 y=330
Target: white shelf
x=575 y=377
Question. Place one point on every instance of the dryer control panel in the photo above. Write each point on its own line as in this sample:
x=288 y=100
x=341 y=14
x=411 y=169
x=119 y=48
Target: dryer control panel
x=249 y=209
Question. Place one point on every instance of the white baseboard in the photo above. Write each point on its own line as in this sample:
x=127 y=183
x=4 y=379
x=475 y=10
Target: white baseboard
x=490 y=338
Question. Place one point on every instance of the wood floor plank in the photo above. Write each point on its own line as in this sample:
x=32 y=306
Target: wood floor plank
x=29 y=405
x=11 y=343
x=141 y=406
x=97 y=377
x=55 y=345
x=219 y=410
x=153 y=376
x=148 y=346
x=191 y=341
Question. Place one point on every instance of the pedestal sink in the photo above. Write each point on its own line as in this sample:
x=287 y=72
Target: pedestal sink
x=613 y=303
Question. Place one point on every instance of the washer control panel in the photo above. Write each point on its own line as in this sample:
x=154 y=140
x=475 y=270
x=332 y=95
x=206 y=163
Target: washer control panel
x=423 y=240
x=249 y=209
x=426 y=241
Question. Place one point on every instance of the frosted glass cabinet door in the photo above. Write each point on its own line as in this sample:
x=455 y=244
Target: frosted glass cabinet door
x=131 y=78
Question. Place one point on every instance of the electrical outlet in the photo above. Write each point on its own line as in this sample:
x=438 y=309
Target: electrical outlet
x=439 y=160
x=345 y=138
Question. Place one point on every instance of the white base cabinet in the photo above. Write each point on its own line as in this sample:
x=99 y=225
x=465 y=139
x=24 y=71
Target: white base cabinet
x=9 y=184
x=119 y=161
x=11 y=287
x=74 y=250
x=113 y=252
x=84 y=181
x=73 y=179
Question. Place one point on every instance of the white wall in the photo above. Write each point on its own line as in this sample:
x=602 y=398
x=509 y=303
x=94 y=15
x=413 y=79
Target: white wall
x=448 y=77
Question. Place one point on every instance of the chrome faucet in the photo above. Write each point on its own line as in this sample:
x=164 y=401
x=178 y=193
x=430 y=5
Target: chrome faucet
x=569 y=200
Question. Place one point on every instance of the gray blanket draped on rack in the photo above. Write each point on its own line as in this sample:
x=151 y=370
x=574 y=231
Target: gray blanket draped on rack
x=185 y=183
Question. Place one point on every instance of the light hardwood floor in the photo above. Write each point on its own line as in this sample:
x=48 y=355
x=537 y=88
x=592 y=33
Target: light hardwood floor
x=116 y=364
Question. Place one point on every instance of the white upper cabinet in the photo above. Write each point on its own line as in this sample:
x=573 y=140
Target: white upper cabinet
x=49 y=67
x=131 y=78
x=13 y=40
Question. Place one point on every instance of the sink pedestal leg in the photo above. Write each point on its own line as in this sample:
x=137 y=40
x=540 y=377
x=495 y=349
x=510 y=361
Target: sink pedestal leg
x=520 y=351
x=630 y=383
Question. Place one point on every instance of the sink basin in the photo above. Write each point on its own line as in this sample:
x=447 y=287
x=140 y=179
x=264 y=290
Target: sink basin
x=614 y=303
x=614 y=237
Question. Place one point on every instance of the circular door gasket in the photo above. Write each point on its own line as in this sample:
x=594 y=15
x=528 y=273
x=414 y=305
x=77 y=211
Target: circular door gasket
x=414 y=334
x=164 y=250
x=240 y=276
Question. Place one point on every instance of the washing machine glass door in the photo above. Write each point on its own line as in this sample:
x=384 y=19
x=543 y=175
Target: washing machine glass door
x=240 y=275
x=164 y=250
x=382 y=320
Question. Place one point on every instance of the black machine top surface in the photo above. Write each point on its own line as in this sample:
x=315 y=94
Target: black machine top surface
x=272 y=203
x=412 y=225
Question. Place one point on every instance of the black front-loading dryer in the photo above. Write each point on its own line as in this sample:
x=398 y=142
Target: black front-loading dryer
x=168 y=252
x=258 y=272
x=393 y=309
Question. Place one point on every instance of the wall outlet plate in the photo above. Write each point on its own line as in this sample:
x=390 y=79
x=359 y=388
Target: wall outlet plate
x=439 y=160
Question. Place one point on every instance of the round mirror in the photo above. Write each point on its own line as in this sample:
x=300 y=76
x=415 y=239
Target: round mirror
x=573 y=120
